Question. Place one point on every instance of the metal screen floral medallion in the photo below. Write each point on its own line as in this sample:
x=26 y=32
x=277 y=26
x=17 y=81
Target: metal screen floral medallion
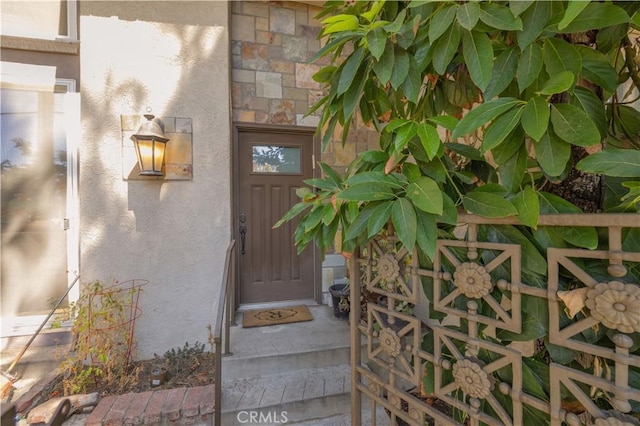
x=490 y=310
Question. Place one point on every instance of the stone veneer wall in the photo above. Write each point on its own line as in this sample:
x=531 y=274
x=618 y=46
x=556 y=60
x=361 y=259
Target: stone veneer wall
x=271 y=45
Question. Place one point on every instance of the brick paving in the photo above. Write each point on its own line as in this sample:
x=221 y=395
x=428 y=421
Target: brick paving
x=170 y=406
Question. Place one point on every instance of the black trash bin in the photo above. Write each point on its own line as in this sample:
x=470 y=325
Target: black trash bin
x=340 y=299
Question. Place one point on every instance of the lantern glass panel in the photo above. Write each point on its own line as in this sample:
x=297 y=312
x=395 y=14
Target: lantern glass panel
x=158 y=155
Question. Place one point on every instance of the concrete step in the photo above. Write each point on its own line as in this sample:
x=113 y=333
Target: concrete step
x=238 y=366
x=381 y=418
x=297 y=396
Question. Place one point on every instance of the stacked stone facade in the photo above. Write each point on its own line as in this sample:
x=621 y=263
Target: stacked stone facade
x=272 y=44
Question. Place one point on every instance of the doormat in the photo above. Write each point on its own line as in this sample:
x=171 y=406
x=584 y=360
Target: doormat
x=273 y=316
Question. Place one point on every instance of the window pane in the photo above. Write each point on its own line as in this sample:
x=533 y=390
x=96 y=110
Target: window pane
x=36 y=19
x=33 y=189
x=276 y=159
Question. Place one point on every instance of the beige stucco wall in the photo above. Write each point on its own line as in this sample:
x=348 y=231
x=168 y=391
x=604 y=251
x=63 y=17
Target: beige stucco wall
x=171 y=57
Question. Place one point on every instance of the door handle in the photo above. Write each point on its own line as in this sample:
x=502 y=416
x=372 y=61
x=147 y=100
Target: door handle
x=243 y=232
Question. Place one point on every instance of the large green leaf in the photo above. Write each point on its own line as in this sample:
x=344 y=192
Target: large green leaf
x=426 y=195
x=592 y=105
x=558 y=83
x=404 y=135
x=586 y=237
x=499 y=17
x=468 y=15
x=519 y=6
x=384 y=67
x=635 y=19
x=560 y=354
x=512 y=171
x=403 y=216
x=340 y=23
x=367 y=192
x=349 y=70
x=377 y=40
x=325 y=74
x=552 y=153
x=465 y=150
x=373 y=176
x=574 y=125
x=446 y=121
x=400 y=68
x=375 y=9
x=532 y=329
x=612 y=162
x=331 y=175
x=500 y=128
x=493 y=188
x=329 y=233
x=596 y=16
x=441 y=21
x=506 y=149
x=395 y=26
x=478 y=56
x=446 y=48
x=407 y=33
x=423 y=55
x=534 y=21
x=573 y=9
x=488 y=205
x=535 y=118
x=504 y=71
x=560 y=55
x=628 y=120
x=359 y=225
x=536 y=378
x=313 y=218
x=610 y=37
x=597 y=69
x=329 y=214
x=352 y=96
x=482 y=114
x=293 y=212
x=528 y=206
x=427 y=233
x=529 y=65
x=412 y=85
x=532 y=260
x=379 y=217
x=430 y=139
x=449 y=211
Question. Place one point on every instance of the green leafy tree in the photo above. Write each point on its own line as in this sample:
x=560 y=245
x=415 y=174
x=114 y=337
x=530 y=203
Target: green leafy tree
x=481 y=106
x=495 y=108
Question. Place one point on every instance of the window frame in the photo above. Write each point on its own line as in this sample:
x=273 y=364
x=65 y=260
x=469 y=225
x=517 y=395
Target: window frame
x=59 y=44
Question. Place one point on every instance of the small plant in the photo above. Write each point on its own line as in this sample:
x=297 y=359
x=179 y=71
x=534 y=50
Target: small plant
x=103 y=320
x=179 y=359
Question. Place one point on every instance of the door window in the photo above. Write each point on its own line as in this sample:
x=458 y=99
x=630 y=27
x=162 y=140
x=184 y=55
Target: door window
x=276 y=159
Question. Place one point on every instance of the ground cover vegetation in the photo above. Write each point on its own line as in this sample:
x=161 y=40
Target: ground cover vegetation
x=496 y=108
x=103 y=356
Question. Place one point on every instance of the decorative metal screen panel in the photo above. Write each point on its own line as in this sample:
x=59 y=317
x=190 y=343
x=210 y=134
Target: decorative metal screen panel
x=462 y=369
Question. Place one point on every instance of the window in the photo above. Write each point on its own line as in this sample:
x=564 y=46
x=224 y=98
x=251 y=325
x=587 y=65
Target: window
x=39 y=122
x=276 y=159
x=48 y=19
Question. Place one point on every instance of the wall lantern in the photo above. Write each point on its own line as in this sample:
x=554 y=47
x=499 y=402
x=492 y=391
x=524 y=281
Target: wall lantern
x=150 y=144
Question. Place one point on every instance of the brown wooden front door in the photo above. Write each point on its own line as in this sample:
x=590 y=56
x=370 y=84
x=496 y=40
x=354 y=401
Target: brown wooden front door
x=271 y=167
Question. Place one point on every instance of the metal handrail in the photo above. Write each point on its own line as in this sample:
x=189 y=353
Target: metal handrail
x=226 y=304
